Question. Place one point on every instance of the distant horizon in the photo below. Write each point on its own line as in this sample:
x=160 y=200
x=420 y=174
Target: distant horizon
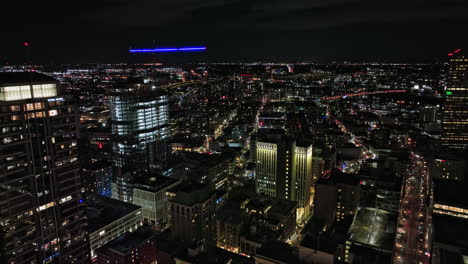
x=435 y=61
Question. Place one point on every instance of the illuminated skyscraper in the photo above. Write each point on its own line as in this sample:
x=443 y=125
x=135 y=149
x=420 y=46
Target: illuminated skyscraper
x=301 y=176
x=284 y=169
x=272 y=169
x=140 y=117
x=454 y=113
x=41 y=209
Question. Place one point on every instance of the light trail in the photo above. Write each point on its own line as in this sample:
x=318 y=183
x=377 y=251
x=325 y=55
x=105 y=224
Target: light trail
x=336 y=97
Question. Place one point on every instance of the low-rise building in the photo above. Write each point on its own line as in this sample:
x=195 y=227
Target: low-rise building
x=109 y=218
x=131 y=247
x=150 y=193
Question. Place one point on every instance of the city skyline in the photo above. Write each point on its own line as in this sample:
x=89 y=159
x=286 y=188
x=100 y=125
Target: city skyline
x=234 y=132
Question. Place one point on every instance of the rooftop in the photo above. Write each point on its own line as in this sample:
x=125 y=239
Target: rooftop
x=451 y=192
x=337 y=176
x=450 y=230
x=373 y=227
x=279 y=251
x=153 y=183
x=128 y=241
x=102 y=211
x=192 y=193
x=323 y=244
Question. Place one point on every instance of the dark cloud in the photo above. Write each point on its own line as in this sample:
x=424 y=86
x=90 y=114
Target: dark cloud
x=97 y=30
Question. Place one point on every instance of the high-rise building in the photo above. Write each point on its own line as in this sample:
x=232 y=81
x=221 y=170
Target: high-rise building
x=41 y=209
x=454 y=114
x=272 y=169
x=97 y=178
x=284 y=169
x=140 y=118
x=193 y=219
x=301 y=174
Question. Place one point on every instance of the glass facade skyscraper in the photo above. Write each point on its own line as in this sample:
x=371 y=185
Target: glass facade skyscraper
x=455 y=112
x=140 y=132
x=140 y=125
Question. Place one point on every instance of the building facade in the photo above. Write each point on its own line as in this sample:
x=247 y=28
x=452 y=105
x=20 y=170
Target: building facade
x=302 y=177
x=284 y=170
x=108 y=219
x=140 y=125
x=151 y=196
x=41 y=208
x=454 y=112
x=193 y=219
x=131 y=247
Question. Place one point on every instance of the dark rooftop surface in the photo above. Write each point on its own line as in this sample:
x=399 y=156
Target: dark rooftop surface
x=322 y=244
x=451 y=192
x=336 y=176
x=153 y=183
x=230 y=213
x=278 y=206
x=101 y=164
x=129 y=240
x=278 y=251
x=191 y=193
x=450 y=257
x=24 y=77
x=102 y=211
x=450 y=230
x=373 y=227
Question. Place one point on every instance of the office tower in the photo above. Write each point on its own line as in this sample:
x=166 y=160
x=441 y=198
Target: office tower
x=454 y=114
x=284 y=169
x=193 y=219
x=272 y=169
x=140 y=117
x=41 y=209
x=450 y=216
x=301 y=176
x=319 y=165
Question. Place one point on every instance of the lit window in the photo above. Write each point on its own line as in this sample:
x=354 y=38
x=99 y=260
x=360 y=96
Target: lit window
x=53 y=112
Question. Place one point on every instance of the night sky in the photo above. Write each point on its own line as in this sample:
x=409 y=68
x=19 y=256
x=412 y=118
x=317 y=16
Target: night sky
x=83 y=31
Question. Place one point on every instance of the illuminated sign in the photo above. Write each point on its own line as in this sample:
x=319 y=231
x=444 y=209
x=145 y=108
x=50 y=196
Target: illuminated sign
x=167 y=49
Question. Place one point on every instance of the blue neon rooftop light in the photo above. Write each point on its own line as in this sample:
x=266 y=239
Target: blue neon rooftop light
x=168 y=49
